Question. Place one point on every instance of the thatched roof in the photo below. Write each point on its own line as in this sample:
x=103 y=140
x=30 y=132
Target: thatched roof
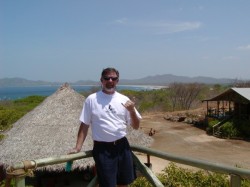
x=51 y=130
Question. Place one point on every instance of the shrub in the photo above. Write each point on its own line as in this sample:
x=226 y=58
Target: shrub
x=211 y=123
x=150 y=100
x=228 y=130
x=1 y=137
x=8 y=117
x=141 y=182
x=11 y=111
x=177 y=176
x=243 y=127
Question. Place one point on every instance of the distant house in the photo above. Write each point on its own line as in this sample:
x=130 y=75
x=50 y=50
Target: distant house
x=233 y=102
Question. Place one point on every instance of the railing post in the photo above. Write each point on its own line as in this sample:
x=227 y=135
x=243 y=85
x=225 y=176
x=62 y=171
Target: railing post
x=147 y=172
x=20 y=181
x=235 y=180
x=93 y=182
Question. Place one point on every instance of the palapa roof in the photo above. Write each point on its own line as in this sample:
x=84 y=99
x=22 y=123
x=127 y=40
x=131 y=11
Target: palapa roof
x=50 y=130
x=239 y=95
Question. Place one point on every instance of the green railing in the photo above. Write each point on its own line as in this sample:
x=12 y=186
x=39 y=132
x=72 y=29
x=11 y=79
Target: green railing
x=20 y=170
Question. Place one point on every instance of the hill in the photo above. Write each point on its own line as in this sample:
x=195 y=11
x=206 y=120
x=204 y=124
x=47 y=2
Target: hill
x=169 y=78
x=149 y=80
x=23 y=82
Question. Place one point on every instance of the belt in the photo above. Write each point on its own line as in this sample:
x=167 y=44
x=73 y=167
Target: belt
x=110 y=143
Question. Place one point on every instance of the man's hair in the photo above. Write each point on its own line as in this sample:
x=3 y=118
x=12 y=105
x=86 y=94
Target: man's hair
x=107 y=70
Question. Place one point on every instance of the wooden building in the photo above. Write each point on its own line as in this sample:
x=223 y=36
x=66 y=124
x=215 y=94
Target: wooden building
x=233 y=102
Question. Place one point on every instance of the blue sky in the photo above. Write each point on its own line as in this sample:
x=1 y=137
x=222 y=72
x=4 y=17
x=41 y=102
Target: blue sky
x=63 y=40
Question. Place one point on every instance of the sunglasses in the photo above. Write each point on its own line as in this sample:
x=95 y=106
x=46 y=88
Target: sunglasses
x=112 y=78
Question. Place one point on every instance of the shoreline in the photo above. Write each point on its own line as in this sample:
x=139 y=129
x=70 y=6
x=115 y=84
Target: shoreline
x=18 y=92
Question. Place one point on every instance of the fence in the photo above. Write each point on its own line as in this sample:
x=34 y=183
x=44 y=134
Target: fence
x=19 y=170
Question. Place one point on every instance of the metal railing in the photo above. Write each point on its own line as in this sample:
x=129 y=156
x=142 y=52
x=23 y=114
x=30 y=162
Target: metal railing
x=20 y=170
x=217 y=126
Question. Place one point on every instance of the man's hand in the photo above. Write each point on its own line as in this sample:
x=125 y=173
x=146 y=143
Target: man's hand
x=73 y=151
x=130 y=106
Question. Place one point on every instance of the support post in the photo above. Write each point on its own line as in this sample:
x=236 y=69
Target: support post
x=149 y=175
x=235 y=180
x=93 y=182
x=20 y=182
x=148 y=159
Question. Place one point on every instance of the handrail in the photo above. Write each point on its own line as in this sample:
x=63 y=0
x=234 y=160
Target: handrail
x=22 y=169
x=220 y=123
x=51 y=160
x=214 y=126
x=216 y=167
x=236 y=174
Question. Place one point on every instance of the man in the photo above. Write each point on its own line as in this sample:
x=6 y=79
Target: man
x=108 y=113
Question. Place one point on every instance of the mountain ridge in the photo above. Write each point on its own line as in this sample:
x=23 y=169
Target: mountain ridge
x=163 y=80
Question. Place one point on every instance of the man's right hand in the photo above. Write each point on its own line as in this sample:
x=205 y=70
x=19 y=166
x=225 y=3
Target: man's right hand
x=73 y=151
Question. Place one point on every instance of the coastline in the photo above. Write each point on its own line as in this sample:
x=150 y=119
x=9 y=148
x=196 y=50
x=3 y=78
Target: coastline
x=18 y=92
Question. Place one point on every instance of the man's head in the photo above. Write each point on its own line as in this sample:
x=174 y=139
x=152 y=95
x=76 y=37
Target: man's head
x=109 y=79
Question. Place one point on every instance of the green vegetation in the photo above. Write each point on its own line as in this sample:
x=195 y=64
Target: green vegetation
x=11 y=111
x=177 y=176
x=242 y=127
x=3 y=183
x=211 y=122
x=235 y=128
x=229 y=130
x=150 y=100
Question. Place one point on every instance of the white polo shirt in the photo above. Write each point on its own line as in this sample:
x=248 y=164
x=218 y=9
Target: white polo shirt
x=106 y=115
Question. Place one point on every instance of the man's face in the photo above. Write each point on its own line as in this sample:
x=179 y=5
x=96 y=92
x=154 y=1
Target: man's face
x=109 y=82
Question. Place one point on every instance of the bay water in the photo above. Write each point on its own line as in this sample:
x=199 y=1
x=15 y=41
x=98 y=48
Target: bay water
x=12 y=93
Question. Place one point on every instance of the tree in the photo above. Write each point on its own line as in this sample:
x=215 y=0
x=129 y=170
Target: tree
x=183 y=95
x=241 y=84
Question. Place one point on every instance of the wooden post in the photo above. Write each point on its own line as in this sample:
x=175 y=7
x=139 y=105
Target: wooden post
x=207 y=108
x=147 y=172
x=235 y=180
x=20 y=182
x=218 y=108
x=148 y=159
x=93 y=182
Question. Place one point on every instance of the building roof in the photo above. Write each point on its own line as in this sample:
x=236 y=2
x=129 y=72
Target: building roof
x=245 y=92
x=50 y=130
x=239 y=95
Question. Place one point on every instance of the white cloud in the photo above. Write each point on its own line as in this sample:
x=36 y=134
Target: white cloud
x=160 y=27
x=201 y=8
x=205 y=57
x=167 y=28
x=247 y=47
x=121 y=21
x=230 y=58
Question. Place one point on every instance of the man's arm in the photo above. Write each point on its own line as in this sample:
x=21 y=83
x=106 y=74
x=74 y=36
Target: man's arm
x=81 y=136
x=135 y=121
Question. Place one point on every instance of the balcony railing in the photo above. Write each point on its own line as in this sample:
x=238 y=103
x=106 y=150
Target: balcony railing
x=20 y=170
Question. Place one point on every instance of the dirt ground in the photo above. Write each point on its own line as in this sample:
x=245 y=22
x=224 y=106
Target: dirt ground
x=185 y=140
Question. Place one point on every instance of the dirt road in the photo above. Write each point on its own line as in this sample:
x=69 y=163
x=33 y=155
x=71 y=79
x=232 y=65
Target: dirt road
x=185 y=140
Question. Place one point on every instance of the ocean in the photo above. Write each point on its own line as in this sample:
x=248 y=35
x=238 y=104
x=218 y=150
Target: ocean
x=12 y=93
